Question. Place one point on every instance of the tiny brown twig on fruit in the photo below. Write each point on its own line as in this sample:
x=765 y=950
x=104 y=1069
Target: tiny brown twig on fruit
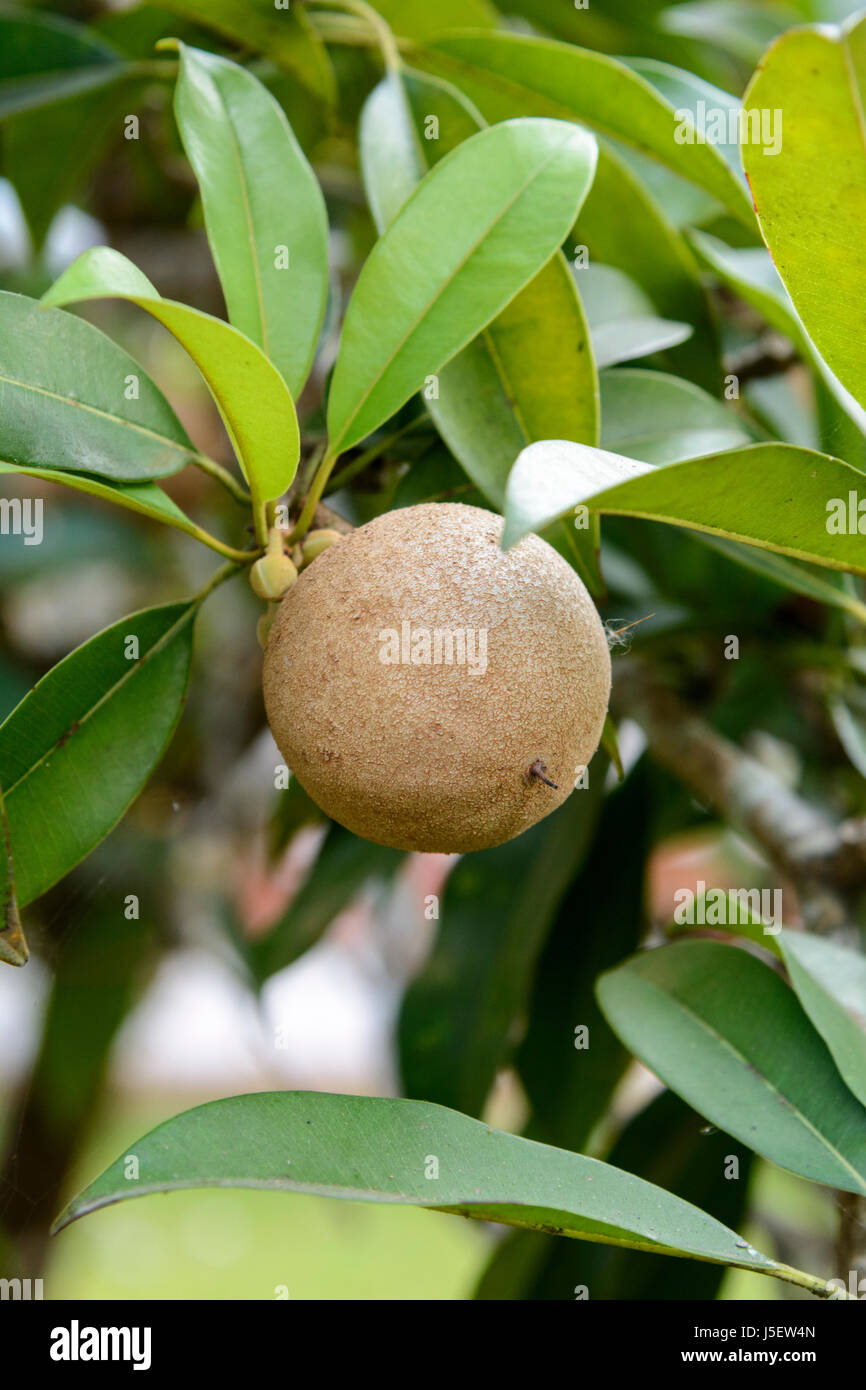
x=539 y=771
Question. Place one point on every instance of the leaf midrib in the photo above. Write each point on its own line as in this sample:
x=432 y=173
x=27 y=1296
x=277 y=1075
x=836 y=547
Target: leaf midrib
x=447 y=284
x=120 y=420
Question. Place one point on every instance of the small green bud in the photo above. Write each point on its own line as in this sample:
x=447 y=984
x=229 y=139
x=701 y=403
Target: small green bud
x=274 y=574
x=318 y=541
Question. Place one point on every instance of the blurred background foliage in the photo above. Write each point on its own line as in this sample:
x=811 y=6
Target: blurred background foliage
x=274 y=950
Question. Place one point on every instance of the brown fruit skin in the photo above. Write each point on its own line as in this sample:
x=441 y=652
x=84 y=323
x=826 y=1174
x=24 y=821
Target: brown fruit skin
x=432 y=757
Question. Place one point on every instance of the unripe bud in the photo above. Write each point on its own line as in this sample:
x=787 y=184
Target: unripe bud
x=264 y=625
x=274 y=574
x=316 y=542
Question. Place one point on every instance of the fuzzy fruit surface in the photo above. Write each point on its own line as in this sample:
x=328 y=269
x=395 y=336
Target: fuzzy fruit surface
x=416 y=673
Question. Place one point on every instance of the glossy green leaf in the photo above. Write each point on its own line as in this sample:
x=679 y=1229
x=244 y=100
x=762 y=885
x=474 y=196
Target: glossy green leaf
x=256 y=406
x=664 y=1143
x=285 y=36
x=770 y=495
x=264 y=212
x=622 y=320
x=343 y=866
x=45 y=58
x=78 y=749
x=145 y=498
x=458 y=1018
x=64 y=400
x=811 y=196
x=476 y=230
x=730 y=1037
x=830 y=982
x=13 y=946
x=623 y=225
x=530 y=373
x=507 y=75
x=661 y=419
x=750 y=273
x=375 y=1149
x=715 y=113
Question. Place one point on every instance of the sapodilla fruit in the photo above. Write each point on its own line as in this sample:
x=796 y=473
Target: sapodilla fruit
x=395 y=740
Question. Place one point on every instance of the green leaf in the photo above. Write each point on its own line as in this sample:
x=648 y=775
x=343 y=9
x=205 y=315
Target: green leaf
x=284 y=36
x=458 y=1018
x=44 y=59
x=817 y=77
x=771 y=495
x=508 y=75
x=342 y=868
x=791 y=574
x=830 y=982
x=664 y=1143
x=475 y=231
x=145 y=498
x=78 y=749
x=622 y=320
x=261 y=199
x=413 y=21
x=750 y=273
x=661 y=419
x=252 y=397
x=13 y=946
x=729 y=1036
x=375 y=1149
x=63 y=400
x=529 y=374
x=623 y=225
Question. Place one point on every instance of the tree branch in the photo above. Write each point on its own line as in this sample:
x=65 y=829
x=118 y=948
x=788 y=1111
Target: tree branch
x=824 y=860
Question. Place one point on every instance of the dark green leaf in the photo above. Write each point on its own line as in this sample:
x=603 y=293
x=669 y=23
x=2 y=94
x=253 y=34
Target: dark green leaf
x=380 y=1150
x=44 y=58
x=508 y=75
x=476 y=230
x=65 y=400
x=831 y=984
x=264 y=212
x=730 y=1037
x=78 y=749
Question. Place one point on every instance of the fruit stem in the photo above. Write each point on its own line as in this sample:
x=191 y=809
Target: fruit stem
x=385 y=40
x=222 y=475
x=218 y=577
x=314 y=496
